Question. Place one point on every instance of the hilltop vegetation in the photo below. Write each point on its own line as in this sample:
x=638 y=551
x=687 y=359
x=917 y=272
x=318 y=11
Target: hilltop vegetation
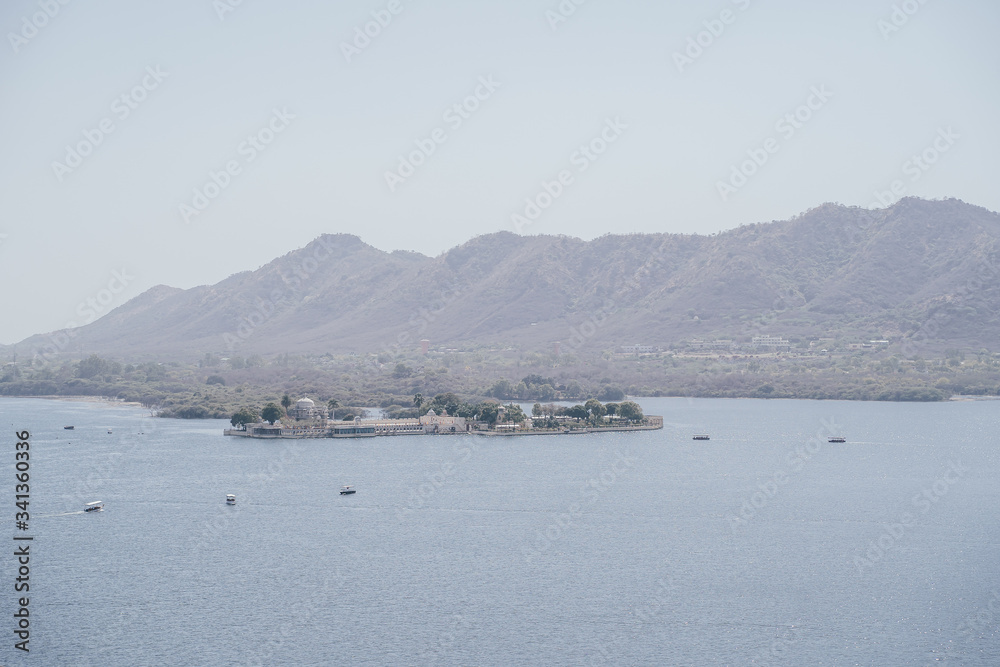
x=216 y=388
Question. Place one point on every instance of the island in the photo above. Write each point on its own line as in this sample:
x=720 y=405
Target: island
x=488 y=418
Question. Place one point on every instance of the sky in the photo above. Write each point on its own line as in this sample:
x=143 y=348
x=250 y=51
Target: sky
x=177 y=143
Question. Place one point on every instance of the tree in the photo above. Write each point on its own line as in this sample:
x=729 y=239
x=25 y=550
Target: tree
x=418 y=400
x=577 y=412
x=536 y=410
x=630 y=411
x=611 y=408
x=216 y=379
x=271 y=413
x=514 y=413
x=243 y=417
x=332 y=405
x=91 y=366
x=286 y=402
x=402 y=371
x=488 y=412
x=595 y=408
x=610 y=393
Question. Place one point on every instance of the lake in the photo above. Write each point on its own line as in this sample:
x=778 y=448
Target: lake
x=766 y=545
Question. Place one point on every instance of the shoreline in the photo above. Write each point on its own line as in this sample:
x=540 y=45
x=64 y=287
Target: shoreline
x=101 y=400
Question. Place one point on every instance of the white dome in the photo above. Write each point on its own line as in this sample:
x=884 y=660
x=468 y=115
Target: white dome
x=304 y=403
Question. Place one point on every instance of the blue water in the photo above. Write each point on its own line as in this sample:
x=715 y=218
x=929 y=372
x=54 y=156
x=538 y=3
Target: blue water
x=758 y=547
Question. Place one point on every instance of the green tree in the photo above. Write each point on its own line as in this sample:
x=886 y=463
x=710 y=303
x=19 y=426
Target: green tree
x=332 y=405
x=286 y=402
x=610 y=393
x=595 y=408
x=514 y=413
x=244 y=416
x=630 y=411
x=418 y=400
x=502 y=389
x=91 y=366
x=536 y=410
x=216 y=379
x=271 y=413
x=488 y=412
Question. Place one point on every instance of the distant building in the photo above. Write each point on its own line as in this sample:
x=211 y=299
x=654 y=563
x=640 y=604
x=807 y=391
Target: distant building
x=774 y=342
x=305 y=408
x=425 y=345
x=435 y=423
x=639 y=349
x=697 y=344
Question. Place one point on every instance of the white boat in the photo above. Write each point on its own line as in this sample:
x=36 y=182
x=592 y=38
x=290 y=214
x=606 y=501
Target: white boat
x=347 y=490
x=96 y=506
x=230 y=499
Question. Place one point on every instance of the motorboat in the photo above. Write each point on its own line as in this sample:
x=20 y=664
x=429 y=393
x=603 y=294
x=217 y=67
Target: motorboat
x=69 y=428
x=347 y=490
x=700 y=436
x=837 y=438
x=96 y=506
x=230 y=499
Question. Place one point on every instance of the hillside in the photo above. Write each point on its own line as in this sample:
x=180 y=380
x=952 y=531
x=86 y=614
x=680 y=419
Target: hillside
x=922 y=274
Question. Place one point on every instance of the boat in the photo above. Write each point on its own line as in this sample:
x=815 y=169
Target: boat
x=96 y=506
x=837 y=439
x=700 y=436
x=109 y=430
x=69 y=428
x=230 y=499
x=347 y=490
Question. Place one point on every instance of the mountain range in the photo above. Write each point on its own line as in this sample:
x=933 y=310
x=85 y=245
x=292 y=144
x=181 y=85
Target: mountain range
x=921 y=274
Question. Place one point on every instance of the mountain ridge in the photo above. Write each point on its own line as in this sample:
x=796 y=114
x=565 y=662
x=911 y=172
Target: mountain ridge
x=832 y=270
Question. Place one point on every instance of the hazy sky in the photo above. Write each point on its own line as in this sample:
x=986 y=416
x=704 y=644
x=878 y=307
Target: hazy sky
x=115 y=112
